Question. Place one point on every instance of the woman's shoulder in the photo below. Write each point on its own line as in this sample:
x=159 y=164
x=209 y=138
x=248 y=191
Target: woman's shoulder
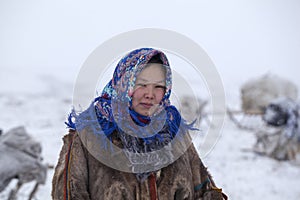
x=69 y=137
x=71 y=140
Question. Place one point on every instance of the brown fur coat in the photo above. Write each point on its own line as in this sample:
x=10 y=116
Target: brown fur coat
x=78 y=175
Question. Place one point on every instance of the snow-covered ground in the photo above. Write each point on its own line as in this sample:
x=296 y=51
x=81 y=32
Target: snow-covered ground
x=40 y=99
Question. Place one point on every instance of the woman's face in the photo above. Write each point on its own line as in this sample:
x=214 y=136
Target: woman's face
x=150 y=87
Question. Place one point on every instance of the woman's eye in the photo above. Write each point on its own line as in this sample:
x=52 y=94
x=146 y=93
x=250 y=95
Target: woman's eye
x=160 y=87
x=142 y=85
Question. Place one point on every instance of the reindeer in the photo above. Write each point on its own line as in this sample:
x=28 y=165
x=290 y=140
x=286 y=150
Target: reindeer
x=20 y=158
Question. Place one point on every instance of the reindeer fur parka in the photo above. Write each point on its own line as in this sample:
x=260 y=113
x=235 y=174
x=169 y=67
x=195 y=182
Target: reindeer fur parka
x=78 y=175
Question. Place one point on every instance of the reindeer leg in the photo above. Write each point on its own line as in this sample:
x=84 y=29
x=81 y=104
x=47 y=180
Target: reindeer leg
x=35 y=189
x=13 y=192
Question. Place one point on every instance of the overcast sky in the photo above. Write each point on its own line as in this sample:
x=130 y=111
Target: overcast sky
x=243 y=38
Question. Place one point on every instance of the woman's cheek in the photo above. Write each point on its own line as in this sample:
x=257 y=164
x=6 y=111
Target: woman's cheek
x=138 y=93
x=160 y=95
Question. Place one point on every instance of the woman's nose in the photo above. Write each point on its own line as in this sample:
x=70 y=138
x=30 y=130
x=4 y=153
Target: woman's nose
x=149 y=92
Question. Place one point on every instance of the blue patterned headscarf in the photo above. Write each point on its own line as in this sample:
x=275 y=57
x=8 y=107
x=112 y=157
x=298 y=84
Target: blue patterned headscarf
x=113 y=107
x=121 y=86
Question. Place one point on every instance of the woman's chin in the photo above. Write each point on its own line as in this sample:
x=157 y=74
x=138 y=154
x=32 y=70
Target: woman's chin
x=153 y=110
x=148 y=111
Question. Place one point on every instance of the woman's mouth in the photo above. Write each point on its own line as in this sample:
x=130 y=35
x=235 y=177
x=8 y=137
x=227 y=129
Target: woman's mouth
x=147 y=105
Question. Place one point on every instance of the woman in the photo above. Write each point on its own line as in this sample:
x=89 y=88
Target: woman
x=131 y=143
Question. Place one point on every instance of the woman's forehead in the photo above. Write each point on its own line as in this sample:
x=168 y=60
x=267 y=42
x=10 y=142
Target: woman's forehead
x=152 y=72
